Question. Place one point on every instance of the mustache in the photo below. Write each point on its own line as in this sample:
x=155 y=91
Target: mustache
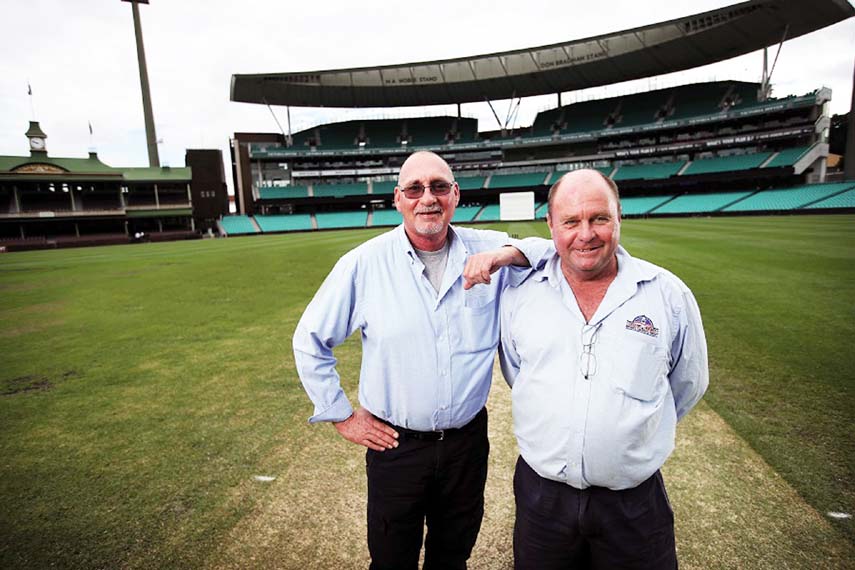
x=429 y=210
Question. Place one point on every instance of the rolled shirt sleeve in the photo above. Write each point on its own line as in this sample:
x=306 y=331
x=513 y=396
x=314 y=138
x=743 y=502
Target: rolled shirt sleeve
x=328 y=320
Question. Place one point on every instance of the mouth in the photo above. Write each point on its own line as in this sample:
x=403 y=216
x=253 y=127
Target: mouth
x=430 y=213
x=587 y=250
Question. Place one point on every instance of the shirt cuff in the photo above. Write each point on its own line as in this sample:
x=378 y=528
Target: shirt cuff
x=339 y=411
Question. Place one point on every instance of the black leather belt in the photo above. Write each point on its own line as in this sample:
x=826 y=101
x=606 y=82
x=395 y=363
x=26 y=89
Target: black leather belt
x=438 y=435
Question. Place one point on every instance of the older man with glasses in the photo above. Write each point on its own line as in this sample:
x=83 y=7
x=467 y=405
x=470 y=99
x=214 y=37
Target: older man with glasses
x=428 y=344
x=604 y=353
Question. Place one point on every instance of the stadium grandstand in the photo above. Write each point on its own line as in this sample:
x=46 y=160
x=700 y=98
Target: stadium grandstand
x=713 y=148
x=50 y=202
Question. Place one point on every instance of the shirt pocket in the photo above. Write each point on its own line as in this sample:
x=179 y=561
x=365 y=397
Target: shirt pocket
x=638 y=367
x=479 y=321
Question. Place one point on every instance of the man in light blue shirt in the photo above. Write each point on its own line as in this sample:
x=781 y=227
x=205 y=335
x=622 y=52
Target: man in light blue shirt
x=604 y=354
x=428 y=343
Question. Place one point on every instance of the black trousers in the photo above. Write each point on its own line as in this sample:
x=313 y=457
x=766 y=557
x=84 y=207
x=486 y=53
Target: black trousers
x=558 y=526
x=440 y=483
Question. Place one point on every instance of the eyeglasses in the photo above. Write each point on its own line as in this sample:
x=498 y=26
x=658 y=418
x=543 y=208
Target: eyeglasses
x=414 y=191
x=587 y=358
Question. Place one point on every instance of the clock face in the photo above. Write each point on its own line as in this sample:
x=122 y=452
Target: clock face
x=37 y=143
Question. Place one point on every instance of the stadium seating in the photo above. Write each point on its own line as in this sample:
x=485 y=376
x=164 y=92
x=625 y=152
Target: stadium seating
x=390 y=217
x=787 y=199
x=641 y=109
x=490 y=213
x=647 y=171
x=845 y=199
x=726 y=163
x=465 y=214
x=331 y=220
x=284 y=223
x=339 y=190
x=383 y=188
x=705 y=98
x=471 y=182
x=699 y=203
x=518 y=180
x=237 y=225
x=787 y=157
x=638 y=205
x=279 y=192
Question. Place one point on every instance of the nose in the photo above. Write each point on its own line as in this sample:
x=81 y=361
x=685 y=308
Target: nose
x=427 y=197
x=586 y=231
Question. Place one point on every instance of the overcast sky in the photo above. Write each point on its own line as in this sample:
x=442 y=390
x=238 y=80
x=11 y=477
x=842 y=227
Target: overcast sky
x=79 y=56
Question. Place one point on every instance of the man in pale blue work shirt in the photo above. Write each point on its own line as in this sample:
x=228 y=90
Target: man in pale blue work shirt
x=604 y=354
x=428 y=344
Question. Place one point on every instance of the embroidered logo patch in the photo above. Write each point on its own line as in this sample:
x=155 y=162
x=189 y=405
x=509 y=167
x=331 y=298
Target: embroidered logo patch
x=643 y=325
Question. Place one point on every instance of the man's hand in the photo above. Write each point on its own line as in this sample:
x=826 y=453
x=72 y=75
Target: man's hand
x=481 y=265
x=363 y=428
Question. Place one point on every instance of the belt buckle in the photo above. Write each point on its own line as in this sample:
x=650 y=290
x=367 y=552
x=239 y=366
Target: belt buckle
x=441 y=435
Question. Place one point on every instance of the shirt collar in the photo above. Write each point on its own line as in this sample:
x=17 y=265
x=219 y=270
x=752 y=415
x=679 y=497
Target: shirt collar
x=456 y=248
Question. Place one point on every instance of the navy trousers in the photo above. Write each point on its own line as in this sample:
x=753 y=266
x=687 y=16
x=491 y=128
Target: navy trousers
x=558 y=526
x=435 y=482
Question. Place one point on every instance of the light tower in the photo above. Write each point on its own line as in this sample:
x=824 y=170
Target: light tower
x=150 y=135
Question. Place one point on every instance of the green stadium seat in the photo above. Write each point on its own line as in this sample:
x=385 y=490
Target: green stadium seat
x=657 y=171
x=638 y=205
x=726 y=163
x=331 y=220
x=845 y=199
x=280 y=192
x=518 y=180
x=788 y=198
x=787 y=157
x=471 y=182
x=465 y=214
x=700 y=203
x=339 y=190
x=284 y=223
x=237 y=225
x=384 y=188
x=490 y=213
x=390 y=217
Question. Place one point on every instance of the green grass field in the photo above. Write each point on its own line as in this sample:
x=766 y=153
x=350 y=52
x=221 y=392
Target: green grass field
x=142 y=388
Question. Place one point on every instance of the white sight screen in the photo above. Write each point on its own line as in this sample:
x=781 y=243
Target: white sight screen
x=516 y=206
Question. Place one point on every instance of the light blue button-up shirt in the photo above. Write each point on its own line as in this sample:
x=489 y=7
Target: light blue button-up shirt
x=427 y=357
x=597 y=403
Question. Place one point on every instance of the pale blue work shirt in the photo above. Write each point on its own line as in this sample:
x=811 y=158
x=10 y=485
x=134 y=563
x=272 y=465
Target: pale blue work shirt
x=427 y=357
x=597 y=403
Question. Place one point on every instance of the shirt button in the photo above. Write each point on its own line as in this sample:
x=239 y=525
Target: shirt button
x=442 y=372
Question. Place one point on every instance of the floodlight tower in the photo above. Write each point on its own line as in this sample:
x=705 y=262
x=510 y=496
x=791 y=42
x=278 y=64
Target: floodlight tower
x=150 y=135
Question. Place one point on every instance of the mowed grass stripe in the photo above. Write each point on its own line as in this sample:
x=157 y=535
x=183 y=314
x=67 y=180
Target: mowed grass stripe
x=145 y=385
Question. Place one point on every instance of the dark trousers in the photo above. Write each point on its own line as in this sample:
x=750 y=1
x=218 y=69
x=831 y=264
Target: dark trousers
x=558 y=526
x=438 y=482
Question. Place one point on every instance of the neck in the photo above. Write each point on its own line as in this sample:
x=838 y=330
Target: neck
x=602 y=279
x=428 y=243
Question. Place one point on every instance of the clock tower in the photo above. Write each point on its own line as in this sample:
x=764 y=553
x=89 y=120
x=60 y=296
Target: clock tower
x=37 y=139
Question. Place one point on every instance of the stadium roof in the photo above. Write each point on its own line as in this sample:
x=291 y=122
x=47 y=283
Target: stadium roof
x=656 y=49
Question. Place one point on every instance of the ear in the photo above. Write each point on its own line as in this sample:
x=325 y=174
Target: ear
x=549 y=222
x=398 y=199
x=456 y=194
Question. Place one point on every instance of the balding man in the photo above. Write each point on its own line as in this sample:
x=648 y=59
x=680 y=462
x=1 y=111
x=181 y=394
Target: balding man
x=428 y=343
x=604 y=353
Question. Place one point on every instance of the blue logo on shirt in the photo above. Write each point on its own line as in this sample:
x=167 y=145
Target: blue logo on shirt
x=643 y=325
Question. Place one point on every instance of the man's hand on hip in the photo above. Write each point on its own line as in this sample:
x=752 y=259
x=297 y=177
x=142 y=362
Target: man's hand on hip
x=363 y=428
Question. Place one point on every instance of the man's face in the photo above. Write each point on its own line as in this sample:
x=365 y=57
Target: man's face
x=429 y=215
x=585 y=226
